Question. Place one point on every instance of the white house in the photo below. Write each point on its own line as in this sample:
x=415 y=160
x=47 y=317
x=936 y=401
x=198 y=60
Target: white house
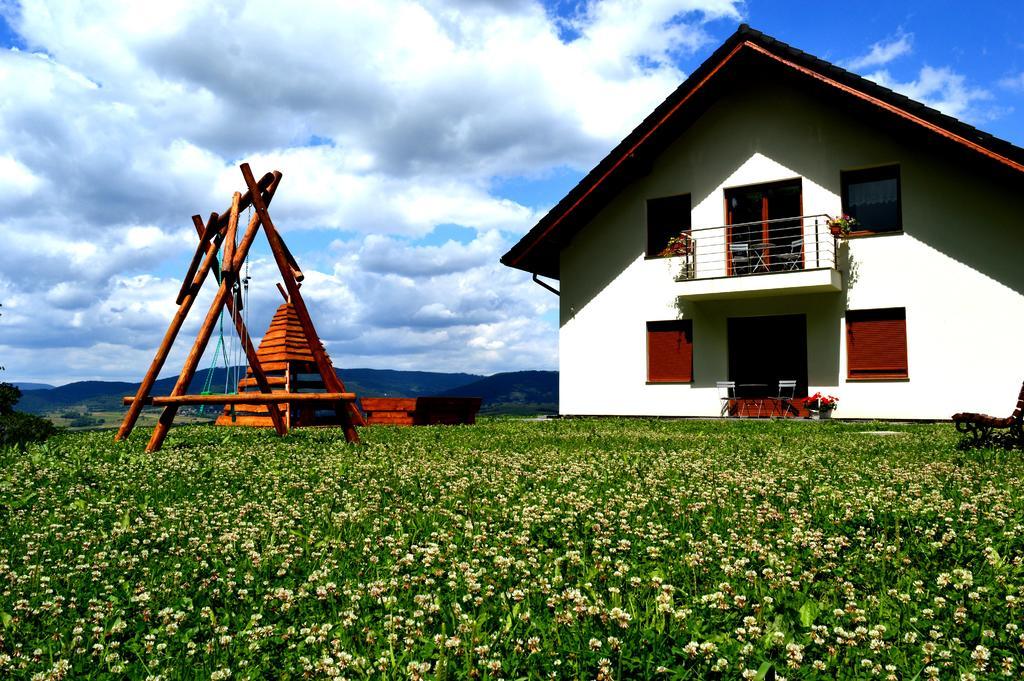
x=918 y=314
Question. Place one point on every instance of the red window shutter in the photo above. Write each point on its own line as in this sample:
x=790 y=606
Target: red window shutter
x=876 y=343
x=670 y=351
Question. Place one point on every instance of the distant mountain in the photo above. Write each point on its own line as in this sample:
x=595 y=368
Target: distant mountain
x=517 y=392
x=106 y=395
x=94 y=394
x=392 y=383
x=24 y=385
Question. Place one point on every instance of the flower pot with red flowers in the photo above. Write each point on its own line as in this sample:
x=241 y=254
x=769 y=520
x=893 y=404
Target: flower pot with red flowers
x=820 y=406
x=842 y=225
x=681 y=246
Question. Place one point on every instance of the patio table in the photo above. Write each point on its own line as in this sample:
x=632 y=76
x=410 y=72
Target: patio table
x=762 y=251
x=751 y=396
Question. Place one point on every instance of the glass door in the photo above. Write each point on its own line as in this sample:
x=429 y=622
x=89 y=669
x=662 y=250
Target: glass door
x=755 y=245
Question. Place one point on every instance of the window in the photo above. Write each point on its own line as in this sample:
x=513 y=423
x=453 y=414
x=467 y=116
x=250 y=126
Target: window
x=873 y=197
x=670 y=351
x=876 y=343
x=666 y=217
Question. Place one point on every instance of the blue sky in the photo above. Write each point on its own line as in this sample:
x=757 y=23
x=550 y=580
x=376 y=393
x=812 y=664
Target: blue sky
x=419 y=140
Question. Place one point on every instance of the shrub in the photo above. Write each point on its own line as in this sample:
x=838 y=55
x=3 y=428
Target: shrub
x=18 y=429
x=85 y=421
x=9 y=396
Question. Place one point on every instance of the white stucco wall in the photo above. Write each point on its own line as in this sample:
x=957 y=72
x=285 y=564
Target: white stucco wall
x=955 y=268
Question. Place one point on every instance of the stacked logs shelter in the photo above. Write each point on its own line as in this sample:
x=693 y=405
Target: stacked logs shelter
x=290 y=369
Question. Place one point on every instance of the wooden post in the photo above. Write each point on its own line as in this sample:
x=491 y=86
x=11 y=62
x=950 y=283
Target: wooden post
x=234 y=306
x=157 y=364
x=232 y=236
x=331 y=381
x=206 y=330
x=205 y=236
x=247 y=398
x=246 y=200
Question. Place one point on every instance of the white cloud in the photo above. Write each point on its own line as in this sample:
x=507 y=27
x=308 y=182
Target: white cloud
x=121 y=120
x=1015 y=82
x=943 y=89
x=883 y=52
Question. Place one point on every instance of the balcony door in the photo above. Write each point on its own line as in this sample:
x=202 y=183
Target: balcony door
x=759 y=239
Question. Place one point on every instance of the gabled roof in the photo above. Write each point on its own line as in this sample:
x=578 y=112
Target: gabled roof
x=747 y=51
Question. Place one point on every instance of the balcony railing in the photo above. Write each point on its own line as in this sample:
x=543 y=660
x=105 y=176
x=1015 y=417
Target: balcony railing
x=762 y=247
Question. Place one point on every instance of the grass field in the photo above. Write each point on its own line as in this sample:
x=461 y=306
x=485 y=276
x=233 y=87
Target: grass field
x=111 y=418
x=568 y=549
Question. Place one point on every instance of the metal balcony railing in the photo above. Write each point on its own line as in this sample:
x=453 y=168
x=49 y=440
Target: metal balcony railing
x=762 y=247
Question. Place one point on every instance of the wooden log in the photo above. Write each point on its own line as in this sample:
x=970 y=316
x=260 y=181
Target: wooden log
x=232 y=236
x=248 y=421
x=272 y=380
x=163 y=425
x=234 y=305
x=246 y=200
x=243 y=398
x=132 y=416
x=347 y=414
x=296 y=272
x=205 y=237
x=273 y=366
x=389 y=404
x=284 y=294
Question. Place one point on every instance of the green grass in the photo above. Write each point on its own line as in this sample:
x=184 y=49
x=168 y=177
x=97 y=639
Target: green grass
x=510 y=549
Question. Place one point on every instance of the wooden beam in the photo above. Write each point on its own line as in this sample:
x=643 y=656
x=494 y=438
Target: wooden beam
x=206 y=330
x=246 y=200
x=162 y=351
x=234 y=305
x=205 y=236
x=296 y=272
x=348 y=414
x=243 y=398
x=232 y=235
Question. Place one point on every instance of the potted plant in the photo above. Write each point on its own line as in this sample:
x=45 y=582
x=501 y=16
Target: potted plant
x=821 y=406
x=842 y=225
x=680 y=246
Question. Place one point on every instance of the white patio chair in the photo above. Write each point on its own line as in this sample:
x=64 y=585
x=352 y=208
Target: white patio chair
x=787 y=392
x=791 y=258
x=739 y=256
x=726 y=393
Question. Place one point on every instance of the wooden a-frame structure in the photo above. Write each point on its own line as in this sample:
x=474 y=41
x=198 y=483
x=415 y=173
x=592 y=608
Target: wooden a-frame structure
x=222 y=229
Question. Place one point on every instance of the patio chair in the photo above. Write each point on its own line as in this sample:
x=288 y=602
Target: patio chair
x=978 y=427
x=740 y=258
x=791 y=258
x=787 y=392
x=726 y=394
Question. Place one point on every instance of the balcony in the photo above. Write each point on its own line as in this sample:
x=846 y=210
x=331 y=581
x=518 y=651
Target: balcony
x=764 y=258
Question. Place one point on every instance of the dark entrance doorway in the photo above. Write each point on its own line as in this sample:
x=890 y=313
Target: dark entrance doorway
x=765 y=350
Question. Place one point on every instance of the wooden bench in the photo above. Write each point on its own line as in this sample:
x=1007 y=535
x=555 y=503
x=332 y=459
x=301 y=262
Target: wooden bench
x=979 y=427
x=420 y=411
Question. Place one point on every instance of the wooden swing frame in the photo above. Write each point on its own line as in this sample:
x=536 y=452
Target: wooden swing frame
x=222 y=229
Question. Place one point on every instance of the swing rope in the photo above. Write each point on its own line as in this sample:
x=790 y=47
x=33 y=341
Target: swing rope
x=232 y=352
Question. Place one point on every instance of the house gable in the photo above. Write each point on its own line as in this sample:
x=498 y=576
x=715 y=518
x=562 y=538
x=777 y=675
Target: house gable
x=749 y=54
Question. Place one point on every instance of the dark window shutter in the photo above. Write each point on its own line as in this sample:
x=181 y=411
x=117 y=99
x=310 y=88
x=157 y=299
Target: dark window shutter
x=670 y=351
x=876 y=343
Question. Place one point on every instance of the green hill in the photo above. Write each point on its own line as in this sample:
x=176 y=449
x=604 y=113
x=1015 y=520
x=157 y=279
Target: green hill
x=514 y=392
